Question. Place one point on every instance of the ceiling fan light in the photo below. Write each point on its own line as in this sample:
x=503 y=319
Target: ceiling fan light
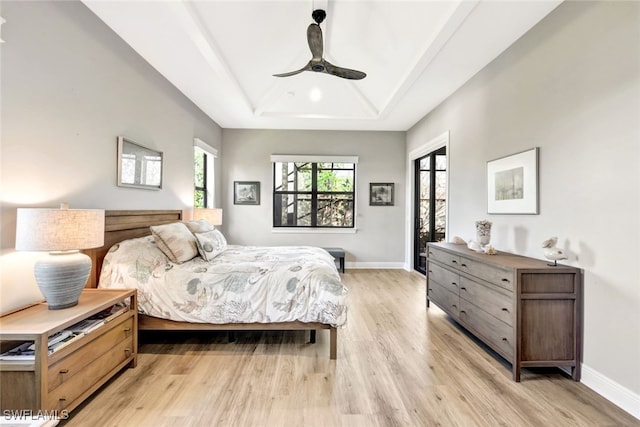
x=315 y=94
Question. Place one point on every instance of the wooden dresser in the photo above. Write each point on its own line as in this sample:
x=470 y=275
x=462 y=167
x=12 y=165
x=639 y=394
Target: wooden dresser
x=527 y=311
x=60 y=381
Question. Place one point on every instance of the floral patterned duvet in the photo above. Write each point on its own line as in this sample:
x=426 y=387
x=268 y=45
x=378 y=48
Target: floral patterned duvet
x=244 y=284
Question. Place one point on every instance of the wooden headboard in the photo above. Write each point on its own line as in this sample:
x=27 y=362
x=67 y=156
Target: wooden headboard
x=123 y=225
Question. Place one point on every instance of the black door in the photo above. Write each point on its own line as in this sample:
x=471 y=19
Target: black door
x=430 y=203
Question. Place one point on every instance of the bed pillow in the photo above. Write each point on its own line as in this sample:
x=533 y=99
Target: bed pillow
x=199 y=226
x=210 y=244
x=175 y=241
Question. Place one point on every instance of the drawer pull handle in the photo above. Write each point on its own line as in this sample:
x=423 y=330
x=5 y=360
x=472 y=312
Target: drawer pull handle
x=506 y=280
x=454 y=306
x=430 y=253
x=505 y=309
x=463 y=265
x=430 y=289
x=63 y=398
x=463 y=312
x=454 y=283
x=454 y=261
x=431 y=271
x=504 y=339
x=64 y=371
x=127 y=351
x=127 y=329
x=463 y=288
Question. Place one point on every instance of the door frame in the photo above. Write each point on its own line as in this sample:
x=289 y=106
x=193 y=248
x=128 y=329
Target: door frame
x=439 y=141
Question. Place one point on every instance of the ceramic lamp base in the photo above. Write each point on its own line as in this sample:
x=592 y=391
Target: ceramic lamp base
x=61 y=277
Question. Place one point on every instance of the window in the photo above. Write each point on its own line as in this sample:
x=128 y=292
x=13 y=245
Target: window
x=203 y=161
x=314 y=194
x=200 y=191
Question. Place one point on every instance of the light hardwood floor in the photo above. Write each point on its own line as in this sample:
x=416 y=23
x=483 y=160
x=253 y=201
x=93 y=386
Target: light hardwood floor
x=398 y=364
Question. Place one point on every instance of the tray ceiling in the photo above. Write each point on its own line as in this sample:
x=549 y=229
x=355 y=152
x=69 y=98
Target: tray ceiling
x=222 y=55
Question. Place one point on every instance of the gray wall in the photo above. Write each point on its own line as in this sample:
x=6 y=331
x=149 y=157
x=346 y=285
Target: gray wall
x=570 y=86
x=70 y=86
x=379 y=238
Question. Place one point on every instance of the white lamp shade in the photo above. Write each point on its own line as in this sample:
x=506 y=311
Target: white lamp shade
x=212 y=216
x=40 y=229
x=62 y=274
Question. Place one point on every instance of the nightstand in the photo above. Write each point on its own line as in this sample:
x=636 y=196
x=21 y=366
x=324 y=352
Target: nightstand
x=61 y=380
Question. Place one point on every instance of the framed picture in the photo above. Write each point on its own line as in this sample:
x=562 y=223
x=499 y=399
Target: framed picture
x=381 y=194
x=512 y=184
x=246 y=192
x=138 y=166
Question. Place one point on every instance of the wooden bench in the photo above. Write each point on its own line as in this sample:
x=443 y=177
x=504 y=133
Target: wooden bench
x=337 y=253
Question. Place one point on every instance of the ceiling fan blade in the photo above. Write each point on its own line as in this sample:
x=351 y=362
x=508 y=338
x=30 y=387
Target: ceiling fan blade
x=293 y=73
x=317 y=63
x=345 y=73
x=314 y=38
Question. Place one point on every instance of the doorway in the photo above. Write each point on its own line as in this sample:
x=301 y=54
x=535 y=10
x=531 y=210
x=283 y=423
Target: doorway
x=430 y=203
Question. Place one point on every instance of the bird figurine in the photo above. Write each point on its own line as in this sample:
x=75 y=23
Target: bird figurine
x=551 y=252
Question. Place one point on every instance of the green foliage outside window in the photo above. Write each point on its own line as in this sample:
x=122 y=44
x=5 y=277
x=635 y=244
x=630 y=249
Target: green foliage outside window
x=314 y=195
x=200 y=191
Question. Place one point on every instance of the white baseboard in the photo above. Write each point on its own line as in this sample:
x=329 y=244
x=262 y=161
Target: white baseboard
x=375 y=265
x=611 y=390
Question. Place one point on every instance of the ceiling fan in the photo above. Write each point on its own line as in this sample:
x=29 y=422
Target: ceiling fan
x=318 y=63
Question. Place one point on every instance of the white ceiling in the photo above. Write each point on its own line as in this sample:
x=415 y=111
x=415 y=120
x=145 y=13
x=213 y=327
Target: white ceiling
x=222 y=55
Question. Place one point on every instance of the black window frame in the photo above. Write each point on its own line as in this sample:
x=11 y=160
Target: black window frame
x=314 y=194
x=203 y=188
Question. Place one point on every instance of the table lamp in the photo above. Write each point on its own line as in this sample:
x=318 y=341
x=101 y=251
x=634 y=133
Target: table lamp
x=62 y=274
x=212 y=216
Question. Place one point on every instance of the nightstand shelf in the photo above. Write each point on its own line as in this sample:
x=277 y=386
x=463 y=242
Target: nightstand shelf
x=60 y=381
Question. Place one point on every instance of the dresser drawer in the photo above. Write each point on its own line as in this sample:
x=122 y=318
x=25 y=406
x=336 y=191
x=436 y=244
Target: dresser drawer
x=112 y=334
x=492 y=274
x=447 y=278
x=495 y=303
x=494 y=332
x=444 y=257
x=69 y=390
x=448 y=301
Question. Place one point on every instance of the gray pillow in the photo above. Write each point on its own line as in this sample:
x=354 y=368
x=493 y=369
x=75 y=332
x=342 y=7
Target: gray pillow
x=210 y=244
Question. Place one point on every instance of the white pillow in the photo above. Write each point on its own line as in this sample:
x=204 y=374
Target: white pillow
x=210 y=244
x=175 y=241
x=199 y=226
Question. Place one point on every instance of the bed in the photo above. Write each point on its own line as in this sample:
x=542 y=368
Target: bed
x=195 y=304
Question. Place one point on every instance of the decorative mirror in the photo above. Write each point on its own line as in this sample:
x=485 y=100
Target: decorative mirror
x=138 y=166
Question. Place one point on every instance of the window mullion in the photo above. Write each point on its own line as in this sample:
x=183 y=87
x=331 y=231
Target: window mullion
x=314 y=194
x=432 y=197
x=204 y=184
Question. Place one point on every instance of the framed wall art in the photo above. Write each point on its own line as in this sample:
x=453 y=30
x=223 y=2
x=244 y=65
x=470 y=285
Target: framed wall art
x=381 y=194
x=246 y=192
x=512 y=184
x=138 y=166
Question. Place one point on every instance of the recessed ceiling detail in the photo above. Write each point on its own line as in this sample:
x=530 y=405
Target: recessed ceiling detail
x=222 y=54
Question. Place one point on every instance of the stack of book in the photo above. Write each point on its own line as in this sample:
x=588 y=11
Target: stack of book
x=25 y=352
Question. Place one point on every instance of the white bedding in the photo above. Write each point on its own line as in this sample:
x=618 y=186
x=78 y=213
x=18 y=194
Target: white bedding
x=244 y=284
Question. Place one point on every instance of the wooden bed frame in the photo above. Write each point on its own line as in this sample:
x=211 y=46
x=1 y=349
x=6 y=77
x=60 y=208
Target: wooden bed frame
x=122 y=225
